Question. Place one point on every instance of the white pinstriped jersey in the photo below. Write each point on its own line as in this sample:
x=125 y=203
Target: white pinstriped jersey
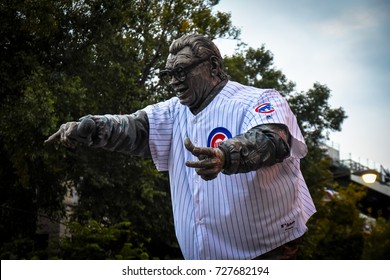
x=237 y=216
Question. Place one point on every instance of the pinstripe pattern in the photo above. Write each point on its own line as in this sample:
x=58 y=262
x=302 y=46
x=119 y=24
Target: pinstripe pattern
x=239 y=216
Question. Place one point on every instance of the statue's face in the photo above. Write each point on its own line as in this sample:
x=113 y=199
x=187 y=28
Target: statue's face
x=190 y=77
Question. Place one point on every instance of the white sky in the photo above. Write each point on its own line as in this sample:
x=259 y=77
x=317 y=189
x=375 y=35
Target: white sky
x=344 y=44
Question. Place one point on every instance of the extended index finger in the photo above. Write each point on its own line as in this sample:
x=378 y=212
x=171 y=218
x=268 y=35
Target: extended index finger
x=54 y=137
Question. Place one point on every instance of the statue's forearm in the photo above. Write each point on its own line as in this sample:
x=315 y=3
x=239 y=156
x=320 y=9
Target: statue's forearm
x=261 y=146
x=123 y=133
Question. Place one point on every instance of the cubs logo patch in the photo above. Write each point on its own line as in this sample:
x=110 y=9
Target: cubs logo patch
x=217 y=135
x=265 y=108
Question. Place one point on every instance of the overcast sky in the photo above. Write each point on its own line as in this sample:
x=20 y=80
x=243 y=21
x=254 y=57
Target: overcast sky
x=344 y=44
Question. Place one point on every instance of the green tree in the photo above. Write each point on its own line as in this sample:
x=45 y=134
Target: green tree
x=336 y=230
x=92 y=241
x=255 y=67
x=64 y=59
x=377 y=244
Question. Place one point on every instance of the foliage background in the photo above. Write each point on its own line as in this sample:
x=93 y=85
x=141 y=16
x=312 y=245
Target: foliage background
x=60 y=60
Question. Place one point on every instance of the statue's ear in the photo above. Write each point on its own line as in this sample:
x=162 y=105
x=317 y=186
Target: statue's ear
x=214 y=62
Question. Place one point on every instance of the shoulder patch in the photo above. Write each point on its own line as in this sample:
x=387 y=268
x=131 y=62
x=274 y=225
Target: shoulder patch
x=265 y=108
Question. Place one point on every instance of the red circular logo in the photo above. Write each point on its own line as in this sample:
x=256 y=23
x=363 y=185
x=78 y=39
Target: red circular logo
x=217 y=136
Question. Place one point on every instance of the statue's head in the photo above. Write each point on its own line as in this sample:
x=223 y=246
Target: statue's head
x=194 y=67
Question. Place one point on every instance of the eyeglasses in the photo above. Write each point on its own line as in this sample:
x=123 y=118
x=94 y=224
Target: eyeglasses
x=180 y=73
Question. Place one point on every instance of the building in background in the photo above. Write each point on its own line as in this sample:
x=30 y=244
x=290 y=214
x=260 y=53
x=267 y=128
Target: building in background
x=345 y=171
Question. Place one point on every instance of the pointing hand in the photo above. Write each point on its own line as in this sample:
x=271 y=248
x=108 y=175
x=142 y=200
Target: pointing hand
x=72 y=133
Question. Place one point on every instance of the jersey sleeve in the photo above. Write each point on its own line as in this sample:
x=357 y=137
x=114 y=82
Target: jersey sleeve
x=160 y=117
x=271 y=107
